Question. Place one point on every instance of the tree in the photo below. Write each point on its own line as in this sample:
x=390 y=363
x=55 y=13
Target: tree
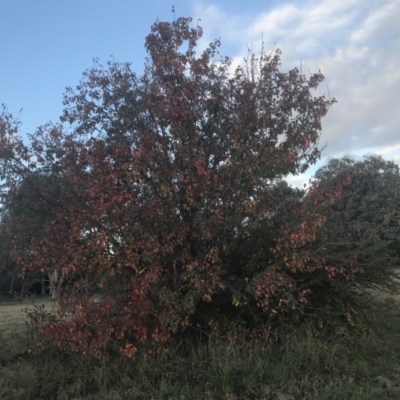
x=26 y=220
x=7 y=276
x=366 y=218
x=169 y=173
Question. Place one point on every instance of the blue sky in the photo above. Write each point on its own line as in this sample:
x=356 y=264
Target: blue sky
x=47 y=44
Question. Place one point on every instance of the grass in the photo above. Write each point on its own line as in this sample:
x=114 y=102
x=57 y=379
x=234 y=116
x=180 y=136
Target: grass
x=14 y=327
x=358 y=367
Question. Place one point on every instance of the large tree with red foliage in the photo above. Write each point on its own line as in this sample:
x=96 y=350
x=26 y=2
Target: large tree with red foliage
x=174 y=214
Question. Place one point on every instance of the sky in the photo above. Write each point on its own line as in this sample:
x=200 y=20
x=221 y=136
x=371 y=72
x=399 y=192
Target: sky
x=46 y=45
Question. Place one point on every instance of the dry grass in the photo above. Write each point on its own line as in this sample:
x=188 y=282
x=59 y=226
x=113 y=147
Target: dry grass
x=14 y=326
x=364 y=366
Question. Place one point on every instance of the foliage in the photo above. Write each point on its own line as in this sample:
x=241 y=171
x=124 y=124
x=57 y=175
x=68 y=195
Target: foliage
x=366 y=218
x=358 y=238
x=175 y=216
x=26 y=223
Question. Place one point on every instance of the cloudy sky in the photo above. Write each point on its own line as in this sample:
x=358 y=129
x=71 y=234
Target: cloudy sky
x=47 y=44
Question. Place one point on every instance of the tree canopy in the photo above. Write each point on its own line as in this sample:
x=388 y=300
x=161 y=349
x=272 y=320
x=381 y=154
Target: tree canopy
x=175 y=206
x=366 y=217
x=26 y=222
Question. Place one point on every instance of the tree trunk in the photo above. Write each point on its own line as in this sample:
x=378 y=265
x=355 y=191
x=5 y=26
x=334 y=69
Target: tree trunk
x=12 y=284
x=56 y=279
x=55 y=293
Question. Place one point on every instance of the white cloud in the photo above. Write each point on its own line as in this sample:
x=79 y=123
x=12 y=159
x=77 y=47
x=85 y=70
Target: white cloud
x=356 y=46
